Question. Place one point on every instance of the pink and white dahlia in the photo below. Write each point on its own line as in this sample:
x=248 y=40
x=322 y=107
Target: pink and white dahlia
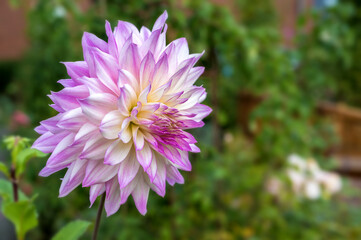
x=123 y=115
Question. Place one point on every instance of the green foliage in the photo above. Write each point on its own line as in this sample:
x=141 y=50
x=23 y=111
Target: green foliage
x=4 y=169
x=6 y=192
x=23 y=215
x=20 y=154
x=72 y=231
x=325 y=56
x=24 y=156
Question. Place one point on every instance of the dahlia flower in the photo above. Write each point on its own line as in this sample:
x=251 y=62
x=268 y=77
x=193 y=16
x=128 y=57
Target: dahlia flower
x=123 y=114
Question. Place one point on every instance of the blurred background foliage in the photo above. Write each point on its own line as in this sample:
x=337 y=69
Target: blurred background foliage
x=264 y=97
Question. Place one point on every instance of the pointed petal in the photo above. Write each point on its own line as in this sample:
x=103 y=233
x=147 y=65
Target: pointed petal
x=90 y=41
x=48 y=141
x=126 y=132
x=72 y=178
x=95 y=191
x=112 y=201
x=85 y=132
x=144 y=156
x=72 y=120
x=117 y=152
x=130 y=61
x=159 y=23
x=113 y=50
x=138 y=138
x=77 y=69
x=159 y=183
x=95 y=148
x=96 y=172
x=106 y=68
x=128 y=170
x=111 y=124
x=96 y=106
x=173 y=175
x=146 y=70
x=140 y=196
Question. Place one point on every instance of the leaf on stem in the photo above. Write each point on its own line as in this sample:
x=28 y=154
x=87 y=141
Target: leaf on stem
x=23 y=215
x=72 y=231
x=24 y=156
x=4 y=169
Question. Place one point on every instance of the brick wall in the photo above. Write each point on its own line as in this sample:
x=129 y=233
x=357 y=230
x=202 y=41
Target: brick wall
x=12 y=32
x=13 y=36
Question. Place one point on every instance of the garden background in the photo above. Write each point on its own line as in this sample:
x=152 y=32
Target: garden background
x=283 y=77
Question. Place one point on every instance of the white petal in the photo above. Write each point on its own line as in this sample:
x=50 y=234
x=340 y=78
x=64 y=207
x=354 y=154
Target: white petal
x=97 y=105
x=111 y=124
x=126 y=132
x=138 y=138
x=97 y=172
x=112 y=201
x=128 y=170
x=140 y=196
x=144 y=156
x=117 y=152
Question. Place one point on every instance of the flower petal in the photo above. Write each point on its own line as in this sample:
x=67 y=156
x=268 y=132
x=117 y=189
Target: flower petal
x=112 y=201
x=140 y=196
x=95 y=191
x=96 y=106
x=117 y=152
x=95 y=148
x=96 y=172
x=128 y=170
x=145 y=156
x=111 y=124
x=72 y=178
x=89 y=42
x=138 y=138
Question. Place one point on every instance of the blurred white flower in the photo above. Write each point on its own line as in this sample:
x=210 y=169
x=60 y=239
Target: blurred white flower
x=332 y=183
x=309 y=180
x=312 y=189
x=297 y=162
x=297 y=180
x=312 y=166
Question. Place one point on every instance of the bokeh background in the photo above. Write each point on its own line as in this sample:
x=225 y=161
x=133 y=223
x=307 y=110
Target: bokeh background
x=283 y=77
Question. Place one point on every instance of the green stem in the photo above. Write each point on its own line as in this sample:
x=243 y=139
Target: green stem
x=99 y=216
x=15 y=183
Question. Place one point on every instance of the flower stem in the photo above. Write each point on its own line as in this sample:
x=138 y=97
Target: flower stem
x=99 y=216
x=15 y=183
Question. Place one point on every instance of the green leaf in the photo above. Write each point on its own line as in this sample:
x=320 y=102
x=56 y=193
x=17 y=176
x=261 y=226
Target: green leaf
x=72 y=231
x=4 y=169
x=16 y=144
x=9 y=142
x=12 y=142
x=24 y=156
x=23 y=215
x=6 y=192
